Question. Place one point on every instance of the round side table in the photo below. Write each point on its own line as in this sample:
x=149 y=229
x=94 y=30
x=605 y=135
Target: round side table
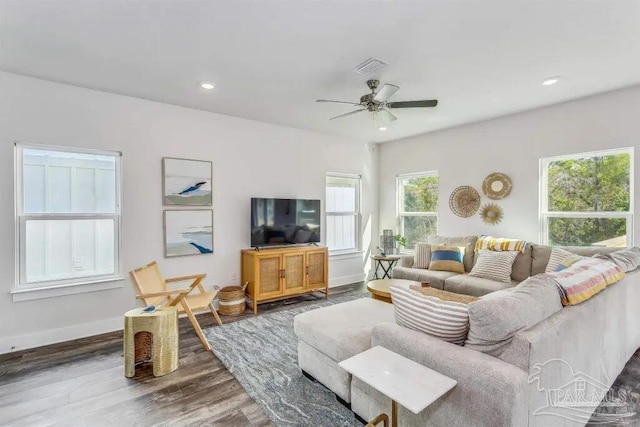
x=151 y=337
x=390 y=261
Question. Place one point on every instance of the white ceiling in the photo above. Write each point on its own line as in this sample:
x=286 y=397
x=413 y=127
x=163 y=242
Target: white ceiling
x=271 y=59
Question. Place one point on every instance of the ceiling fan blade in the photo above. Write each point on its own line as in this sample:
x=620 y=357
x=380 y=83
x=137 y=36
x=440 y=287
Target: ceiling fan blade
x=347 y=114
x=386 y=116
x=337 y=102
x=413 y=104
x=386 y=92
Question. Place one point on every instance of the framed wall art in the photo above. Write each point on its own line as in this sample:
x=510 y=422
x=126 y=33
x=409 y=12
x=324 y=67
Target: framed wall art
x=186 y=182
x=188 y=232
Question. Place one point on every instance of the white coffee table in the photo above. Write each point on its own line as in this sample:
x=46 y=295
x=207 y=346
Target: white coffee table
x=402 y=380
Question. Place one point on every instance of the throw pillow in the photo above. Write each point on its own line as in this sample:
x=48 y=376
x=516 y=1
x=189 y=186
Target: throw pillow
x=557 y=256
x=446 y=320
x=467 y=242
x=568 y=262
x=495 y=318
x=444 y=295
x=494 y=265
x=447 y=258
x=500 y=244
x=422 y=256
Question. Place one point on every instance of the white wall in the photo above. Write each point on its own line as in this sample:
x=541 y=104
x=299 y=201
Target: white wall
x=513 y=145
x=250 y=159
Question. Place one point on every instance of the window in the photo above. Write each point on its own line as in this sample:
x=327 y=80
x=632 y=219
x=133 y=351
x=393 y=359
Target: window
x=343 y=212
x=417 y=206
x=68 y=216
x=586 y=199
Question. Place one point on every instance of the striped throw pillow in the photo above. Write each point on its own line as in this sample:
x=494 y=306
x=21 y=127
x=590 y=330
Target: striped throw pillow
x=500 y=244
x=494 y=265
x=557 y=256
x=446 y=320
x=422 y=257
x=447 y=258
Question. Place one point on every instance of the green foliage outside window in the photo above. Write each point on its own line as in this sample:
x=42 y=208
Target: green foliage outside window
x=420 y=194
x=593 y=184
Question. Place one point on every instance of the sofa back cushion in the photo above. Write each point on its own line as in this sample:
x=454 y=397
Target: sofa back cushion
x=495 y=318
x=627 y=259
x=467 y=242
x=541 y=253
x=447 y=320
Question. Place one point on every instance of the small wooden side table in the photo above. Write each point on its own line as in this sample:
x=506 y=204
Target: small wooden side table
x=151 y=337
x=378 y=260
x=402 y=380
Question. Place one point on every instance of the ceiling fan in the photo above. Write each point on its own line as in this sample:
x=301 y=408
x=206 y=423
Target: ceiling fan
x=377 y=102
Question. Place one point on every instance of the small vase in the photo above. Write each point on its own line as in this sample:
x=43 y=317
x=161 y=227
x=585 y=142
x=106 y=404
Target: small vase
x=397 y=251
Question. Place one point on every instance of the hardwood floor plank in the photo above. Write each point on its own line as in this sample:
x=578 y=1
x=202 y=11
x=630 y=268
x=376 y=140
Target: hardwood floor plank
x=81 y=382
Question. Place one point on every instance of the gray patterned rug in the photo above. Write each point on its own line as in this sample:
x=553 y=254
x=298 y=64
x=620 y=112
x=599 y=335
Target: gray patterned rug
x=261 y=352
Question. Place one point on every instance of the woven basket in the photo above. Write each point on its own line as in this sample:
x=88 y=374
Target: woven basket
x=231 y=300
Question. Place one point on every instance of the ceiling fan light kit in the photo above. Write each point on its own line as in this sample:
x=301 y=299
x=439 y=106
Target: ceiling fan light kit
x=377 y=103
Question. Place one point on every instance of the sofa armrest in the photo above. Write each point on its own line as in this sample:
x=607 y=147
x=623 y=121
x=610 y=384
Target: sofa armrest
x=406 y=261
x=489 y=391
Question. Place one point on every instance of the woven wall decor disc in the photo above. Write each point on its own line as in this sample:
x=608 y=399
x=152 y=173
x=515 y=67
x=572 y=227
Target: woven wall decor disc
x=496 y=186
x=491 y=213
x=464 y=201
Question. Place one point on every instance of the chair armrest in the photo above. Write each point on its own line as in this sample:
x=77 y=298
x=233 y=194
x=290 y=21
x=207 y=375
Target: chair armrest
x=164 y=293
x=185 y=278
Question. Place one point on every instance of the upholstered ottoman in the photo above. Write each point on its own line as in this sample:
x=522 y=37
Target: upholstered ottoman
x=329 y=335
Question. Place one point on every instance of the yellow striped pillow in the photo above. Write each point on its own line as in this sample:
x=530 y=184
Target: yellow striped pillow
x=500 y=244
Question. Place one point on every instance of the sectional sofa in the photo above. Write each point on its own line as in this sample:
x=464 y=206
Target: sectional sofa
x=548 y=347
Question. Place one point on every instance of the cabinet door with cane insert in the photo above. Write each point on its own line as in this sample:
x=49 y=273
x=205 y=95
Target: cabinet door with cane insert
x=269 y=277
x=294 y=272
x=317 y=269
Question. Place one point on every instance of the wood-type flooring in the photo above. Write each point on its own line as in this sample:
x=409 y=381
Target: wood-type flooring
x=82 y=382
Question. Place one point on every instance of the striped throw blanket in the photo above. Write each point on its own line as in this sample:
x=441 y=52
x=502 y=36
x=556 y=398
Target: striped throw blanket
x=584 y=279
x=500 y=244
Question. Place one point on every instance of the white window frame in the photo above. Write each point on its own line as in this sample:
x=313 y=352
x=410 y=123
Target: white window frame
x=400 y=202
x=357 y=214
x=24 y=291
x=545 y=214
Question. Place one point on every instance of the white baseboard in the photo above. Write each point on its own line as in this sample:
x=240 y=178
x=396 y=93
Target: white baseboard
x=345 y=280
x=53 y=336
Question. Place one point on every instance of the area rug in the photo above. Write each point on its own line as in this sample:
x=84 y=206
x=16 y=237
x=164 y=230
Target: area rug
x=261 y=352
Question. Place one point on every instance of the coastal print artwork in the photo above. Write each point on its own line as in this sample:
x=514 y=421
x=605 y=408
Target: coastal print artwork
x=186 y=182
x=188 y=232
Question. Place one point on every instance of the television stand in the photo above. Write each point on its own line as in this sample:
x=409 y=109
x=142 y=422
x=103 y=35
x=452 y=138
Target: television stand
x=279 y=273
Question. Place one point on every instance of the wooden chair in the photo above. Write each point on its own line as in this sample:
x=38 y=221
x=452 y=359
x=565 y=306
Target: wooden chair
x=152 y=289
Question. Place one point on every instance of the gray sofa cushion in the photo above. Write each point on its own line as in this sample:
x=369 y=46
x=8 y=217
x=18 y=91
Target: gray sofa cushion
x=627 y=259
x=342 y=330
x=468 y=242
x=435 y=278
x=476 y=286
x=540 y=254
x=495 y=319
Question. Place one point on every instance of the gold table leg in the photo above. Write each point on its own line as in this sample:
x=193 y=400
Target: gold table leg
x=384 y=418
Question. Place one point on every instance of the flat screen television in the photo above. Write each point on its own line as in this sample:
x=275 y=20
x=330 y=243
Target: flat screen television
x=284 y=221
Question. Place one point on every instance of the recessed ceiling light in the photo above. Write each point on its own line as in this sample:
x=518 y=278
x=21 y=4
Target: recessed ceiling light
x=550 y=81
x=382 y=128
x=206 y=85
